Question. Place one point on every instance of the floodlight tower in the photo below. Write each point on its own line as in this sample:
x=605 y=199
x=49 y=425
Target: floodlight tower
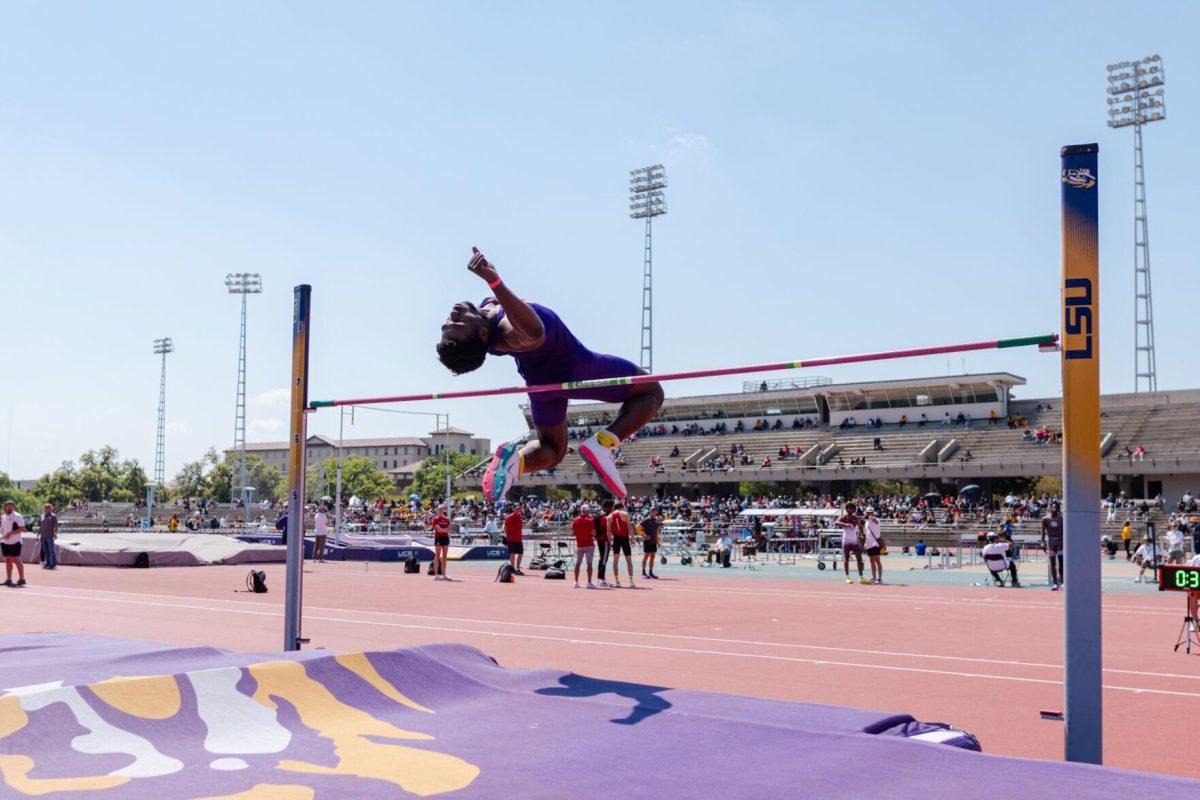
x=1136 y=98
x=161 y=347
x=243 y=283
x=647 y=201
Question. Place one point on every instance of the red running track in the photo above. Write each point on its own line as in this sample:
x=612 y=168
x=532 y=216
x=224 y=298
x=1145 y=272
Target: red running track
x=985 y=660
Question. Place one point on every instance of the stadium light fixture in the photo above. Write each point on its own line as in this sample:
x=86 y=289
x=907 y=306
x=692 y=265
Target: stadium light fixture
x=1135 y=98
x=241 y=283
x=647 y=201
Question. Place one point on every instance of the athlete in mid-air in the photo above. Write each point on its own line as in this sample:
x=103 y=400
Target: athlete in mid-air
x=546 y=352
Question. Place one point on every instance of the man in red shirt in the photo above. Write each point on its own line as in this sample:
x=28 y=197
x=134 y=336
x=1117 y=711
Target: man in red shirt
x=512 y=537
x=441 y=543
x=619 y=530
x=585 y=545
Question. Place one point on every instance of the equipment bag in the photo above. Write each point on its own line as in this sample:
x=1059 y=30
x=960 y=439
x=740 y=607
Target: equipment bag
x=537 y=563
x=256 y=581
x=505 y=573
x=555 y=575
x=142 y=561
x=412 y=565
x=431 y=571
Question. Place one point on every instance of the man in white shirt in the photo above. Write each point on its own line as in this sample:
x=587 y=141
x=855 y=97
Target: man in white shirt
x=873 y=541
x=1175 y=545
x=724 y=549
x=1145 y=558
x=995 y=556
x=321 y=531
x=12 y=525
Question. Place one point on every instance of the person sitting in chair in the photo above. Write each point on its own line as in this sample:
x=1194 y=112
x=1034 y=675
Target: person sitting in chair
x=995 y=556
x=722 y=550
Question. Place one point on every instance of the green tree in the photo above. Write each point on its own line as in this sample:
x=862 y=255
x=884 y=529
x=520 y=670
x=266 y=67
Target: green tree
x=360 y=477
x=25 y=502
x=264 y=477
x=192 y=479
x=430 y=478
x=58 y=487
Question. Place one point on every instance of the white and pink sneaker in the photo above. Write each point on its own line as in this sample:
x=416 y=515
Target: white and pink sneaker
x=502 y=473
x=597 y=452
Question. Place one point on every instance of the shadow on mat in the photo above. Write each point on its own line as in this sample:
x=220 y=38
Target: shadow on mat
x=646 y=697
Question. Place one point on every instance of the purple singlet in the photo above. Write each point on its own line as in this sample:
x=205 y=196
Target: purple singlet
x=563 y=358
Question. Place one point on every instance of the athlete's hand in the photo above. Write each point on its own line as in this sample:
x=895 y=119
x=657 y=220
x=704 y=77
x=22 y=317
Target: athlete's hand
x=482 y=267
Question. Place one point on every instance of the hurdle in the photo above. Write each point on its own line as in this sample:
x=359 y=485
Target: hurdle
x=1081 y=425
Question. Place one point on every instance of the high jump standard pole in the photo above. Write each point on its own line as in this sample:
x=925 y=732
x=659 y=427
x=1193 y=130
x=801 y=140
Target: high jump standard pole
x=1083 y=684
x=297 y=464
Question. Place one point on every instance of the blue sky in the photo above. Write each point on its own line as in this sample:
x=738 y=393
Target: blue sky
x=844 y=177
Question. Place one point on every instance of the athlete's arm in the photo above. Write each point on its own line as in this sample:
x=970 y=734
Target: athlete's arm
x=524 y=330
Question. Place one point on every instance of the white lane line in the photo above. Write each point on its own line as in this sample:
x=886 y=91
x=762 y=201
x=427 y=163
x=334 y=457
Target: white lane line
x=660 y=635
x=630 y=645
x=990 y=600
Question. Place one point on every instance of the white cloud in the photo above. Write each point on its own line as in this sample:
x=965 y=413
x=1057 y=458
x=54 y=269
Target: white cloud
x=693 y=142
x=270 y=397
x=265 y=425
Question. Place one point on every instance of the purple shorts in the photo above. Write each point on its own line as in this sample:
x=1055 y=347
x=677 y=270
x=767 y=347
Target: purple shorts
x=549 y=409
x=851 y=547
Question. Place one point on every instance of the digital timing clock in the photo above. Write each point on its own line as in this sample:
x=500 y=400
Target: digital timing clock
x=1178 y=578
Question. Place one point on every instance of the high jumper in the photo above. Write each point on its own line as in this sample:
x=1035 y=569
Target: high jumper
x=546 y=352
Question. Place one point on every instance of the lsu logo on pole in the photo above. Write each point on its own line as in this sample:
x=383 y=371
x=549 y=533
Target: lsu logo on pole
x=1079 y=178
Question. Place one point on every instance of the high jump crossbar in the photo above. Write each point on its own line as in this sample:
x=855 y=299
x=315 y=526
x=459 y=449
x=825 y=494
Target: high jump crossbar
x=882 y=355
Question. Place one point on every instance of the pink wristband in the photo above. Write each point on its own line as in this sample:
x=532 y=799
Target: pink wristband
x=495 y=283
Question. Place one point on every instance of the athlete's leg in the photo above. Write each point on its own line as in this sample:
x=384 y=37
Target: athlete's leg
x=547 y=450
x=639 y=407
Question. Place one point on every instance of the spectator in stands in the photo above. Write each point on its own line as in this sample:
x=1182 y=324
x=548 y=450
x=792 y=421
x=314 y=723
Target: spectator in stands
x=620 y=530
x=1052 y=543
x=993 y=417
x=513 y=524
x=47 y=534
x=923 y=421
x=585 y=543
x=1139 y=454
x=12 y=526
x=650 y=534
x=903 y=420
x=877 y=443
x=1126 y=535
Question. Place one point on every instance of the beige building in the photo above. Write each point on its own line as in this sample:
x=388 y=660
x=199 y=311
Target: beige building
x=398 y=456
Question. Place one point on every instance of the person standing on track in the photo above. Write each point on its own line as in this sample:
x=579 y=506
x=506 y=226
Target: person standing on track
x=513 y=527
x=320 y=533
x=1052 y=544
x=585 y=544
x=441 y=543
x=12 y=525
x=621 y=529
x=47 y=533
x=852 y=541
x=650 y=533
x=873 y=540
x=546 y=352
x=1126 y=535
x=602 y=546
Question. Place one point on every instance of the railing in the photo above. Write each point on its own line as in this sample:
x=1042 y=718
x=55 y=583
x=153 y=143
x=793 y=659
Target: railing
x=785 y=384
